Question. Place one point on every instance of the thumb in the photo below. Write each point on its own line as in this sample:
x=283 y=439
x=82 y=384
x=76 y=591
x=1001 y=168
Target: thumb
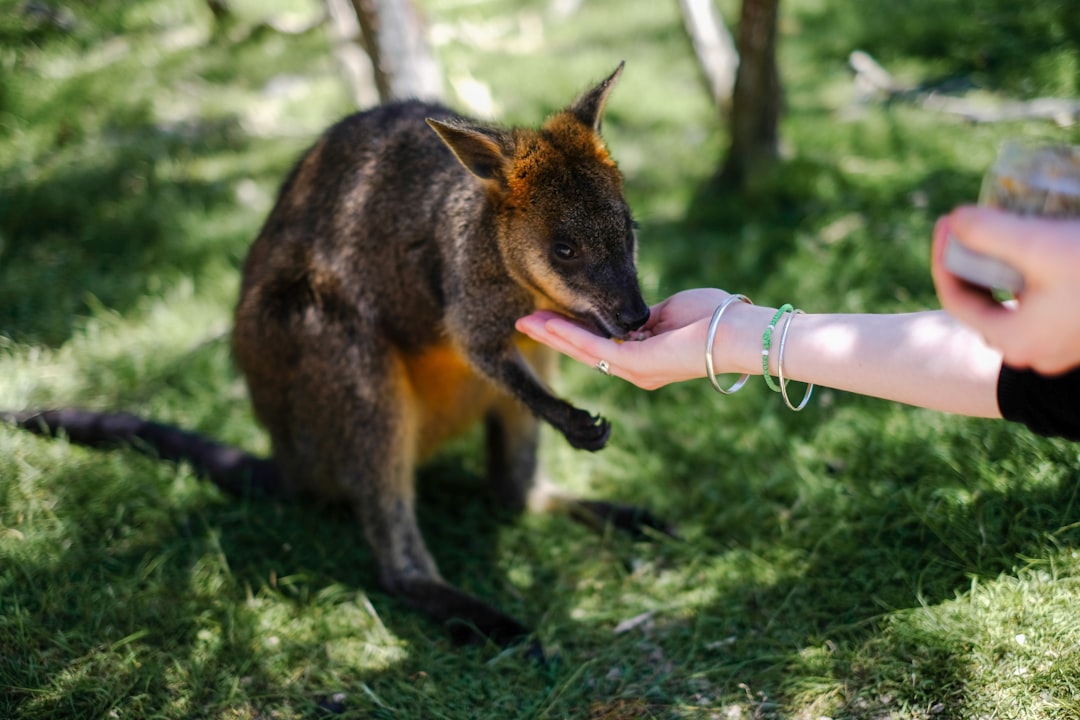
x=995 y=232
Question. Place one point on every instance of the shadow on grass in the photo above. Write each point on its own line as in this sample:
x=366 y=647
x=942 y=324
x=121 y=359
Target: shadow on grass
x=108 y=227
x=157 y=592
x=827 y=539
x=168 y=596
x=868 y=561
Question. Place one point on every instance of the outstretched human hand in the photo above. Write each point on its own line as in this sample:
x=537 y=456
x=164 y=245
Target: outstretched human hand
x=671 y=346
x=1041 y=328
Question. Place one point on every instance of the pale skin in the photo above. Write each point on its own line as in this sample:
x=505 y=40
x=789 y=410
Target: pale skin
x=1041 y=330
x=936 y=359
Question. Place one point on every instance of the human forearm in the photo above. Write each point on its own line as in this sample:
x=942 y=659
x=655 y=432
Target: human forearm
x=926 y=359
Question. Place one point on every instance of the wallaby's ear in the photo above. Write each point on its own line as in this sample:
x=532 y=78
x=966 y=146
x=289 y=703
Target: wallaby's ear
x=476 y=148
x=589 y=108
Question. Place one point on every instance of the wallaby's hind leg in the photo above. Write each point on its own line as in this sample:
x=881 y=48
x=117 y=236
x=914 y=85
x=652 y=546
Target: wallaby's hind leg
x=345 y=428
x=377 y=473
x=407 y=570
x=385 y=480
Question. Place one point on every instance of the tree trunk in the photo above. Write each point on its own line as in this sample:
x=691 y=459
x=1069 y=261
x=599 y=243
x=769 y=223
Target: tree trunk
x=757 y=99
x=714 y=47
x=352 y=58
x=403 y=64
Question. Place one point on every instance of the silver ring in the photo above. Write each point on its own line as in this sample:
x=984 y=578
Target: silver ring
x=603 y=367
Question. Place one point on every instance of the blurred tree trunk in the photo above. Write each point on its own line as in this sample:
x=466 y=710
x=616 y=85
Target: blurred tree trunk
x=395 y=35
x=221 y=10
x=350 y=54
x=714 y=47
x=223 y=16
x=392 y=33
x=757 y=98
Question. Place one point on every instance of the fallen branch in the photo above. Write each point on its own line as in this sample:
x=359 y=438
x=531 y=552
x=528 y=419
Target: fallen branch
x=873 y=79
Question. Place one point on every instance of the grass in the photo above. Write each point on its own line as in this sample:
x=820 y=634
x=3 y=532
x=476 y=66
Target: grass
x=858 y=560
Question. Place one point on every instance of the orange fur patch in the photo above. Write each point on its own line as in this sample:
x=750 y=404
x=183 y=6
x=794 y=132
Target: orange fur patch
x=579 y=137
x=535 y=151
x=448 y=395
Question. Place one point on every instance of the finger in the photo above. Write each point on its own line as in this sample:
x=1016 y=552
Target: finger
x=536 y=327
x=1003 y=234
x=939 y=239
x=534 y=321
x=965 y=301
x=572 y=336
x=975 y=308
x=656 y=312
x=545 y=329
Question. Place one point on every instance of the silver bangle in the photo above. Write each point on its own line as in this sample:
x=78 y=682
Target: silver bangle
x=780 y=368
x=709 y=346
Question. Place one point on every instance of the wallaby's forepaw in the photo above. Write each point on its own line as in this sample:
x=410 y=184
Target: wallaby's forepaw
x=585 y=431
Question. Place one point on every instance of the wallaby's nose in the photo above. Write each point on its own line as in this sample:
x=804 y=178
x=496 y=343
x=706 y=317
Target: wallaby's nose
x=632 y=319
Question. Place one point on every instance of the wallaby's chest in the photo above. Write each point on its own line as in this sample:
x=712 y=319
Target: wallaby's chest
x=446 y=395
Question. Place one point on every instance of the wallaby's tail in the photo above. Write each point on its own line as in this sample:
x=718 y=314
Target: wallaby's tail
x=231 y=469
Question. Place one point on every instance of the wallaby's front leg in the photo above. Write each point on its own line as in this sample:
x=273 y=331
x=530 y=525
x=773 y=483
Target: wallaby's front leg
x=512 y=434
x=484 y=331
x=505 y=365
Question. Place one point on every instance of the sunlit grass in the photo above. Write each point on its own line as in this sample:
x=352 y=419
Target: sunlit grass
x=858 y=560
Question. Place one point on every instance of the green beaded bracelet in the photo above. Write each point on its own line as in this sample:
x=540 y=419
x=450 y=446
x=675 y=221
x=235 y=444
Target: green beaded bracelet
x=766 y=343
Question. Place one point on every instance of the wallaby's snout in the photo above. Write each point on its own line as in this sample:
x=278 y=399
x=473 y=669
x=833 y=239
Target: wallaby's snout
x=633 y=316
x=600 y=289
x=610 y=297
x=623 y=313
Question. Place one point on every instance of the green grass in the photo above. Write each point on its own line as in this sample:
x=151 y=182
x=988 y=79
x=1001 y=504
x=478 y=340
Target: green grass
x=858 y=560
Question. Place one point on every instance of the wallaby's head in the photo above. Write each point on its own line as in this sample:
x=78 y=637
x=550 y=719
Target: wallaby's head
x=565 y=231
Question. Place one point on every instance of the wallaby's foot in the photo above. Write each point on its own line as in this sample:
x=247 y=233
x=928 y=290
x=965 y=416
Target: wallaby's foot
x=504 y=632
x=470 y=620
x=628 y=518
x=529 y=648
x=598 y=514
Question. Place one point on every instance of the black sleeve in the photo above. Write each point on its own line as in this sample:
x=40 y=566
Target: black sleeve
x=1048 y=405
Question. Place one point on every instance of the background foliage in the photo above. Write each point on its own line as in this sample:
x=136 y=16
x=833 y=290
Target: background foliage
x=858 y=560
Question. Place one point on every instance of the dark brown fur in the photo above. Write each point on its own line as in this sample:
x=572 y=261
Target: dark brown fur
x=376 y=318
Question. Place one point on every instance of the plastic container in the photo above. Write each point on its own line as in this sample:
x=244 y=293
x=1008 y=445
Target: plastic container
x=1024 y=179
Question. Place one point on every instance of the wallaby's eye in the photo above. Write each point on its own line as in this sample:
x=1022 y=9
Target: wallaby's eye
x=564 y=251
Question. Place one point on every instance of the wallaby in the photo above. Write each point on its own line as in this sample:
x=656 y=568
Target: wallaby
x=376 y=320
